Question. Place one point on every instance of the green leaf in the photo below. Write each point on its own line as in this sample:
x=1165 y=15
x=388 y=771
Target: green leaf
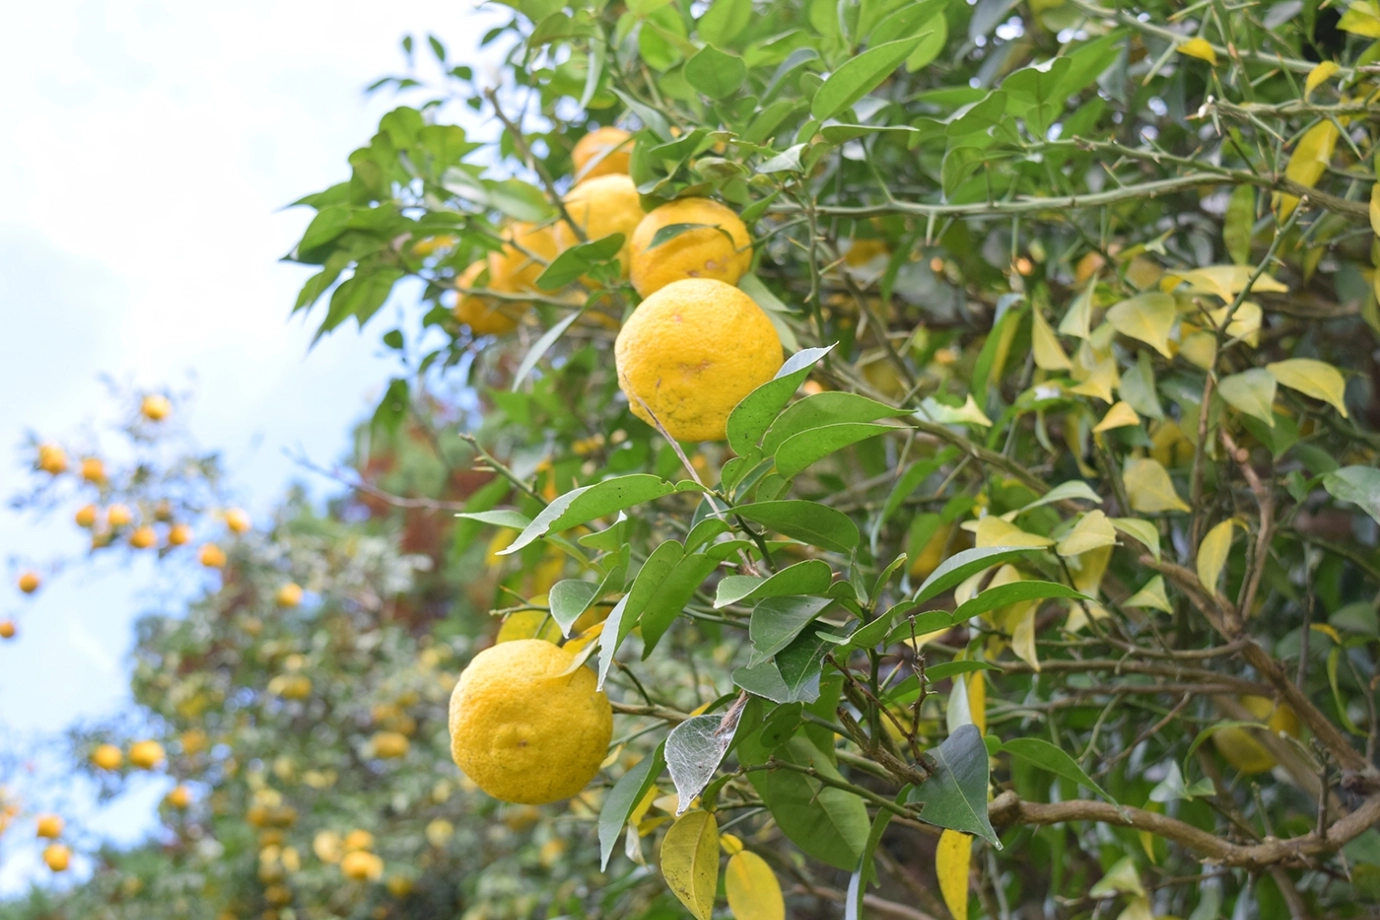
x=955 y=795
x=809 y=522
x=859 y=76
x=961 y=566
x=515 y=520
x=616 y=629
x=724 y=21
x=392 y=409
x=1238 y=224
x=777 y=621
x=1032 y=94
x=671 y=596
x=694 y=750
x=569 y=598
x=690 y=861
x=1053 y=759
x=812 y=576
x=794 y=675
x=618 y=805
x=519 y=200
x=578 y=260
x=918 y=625
x=1013 y=593
x=866 y=873
x=826 y=823
x=715 y=73
x=751 y=417
x=801 y=450
x=1252 y=392
x=1142 y=531
x=587 y=503
x=541 y=346
x=821 y=409
x=1359 y=485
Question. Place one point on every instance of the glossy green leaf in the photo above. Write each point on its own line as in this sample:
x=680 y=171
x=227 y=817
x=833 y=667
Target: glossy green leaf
x=751 y=417
x=812 y=576
x=955 y=795
x=623 y=798
x=961 y=566
x=860 y=75
x=1048 y=757
x=809 y=522
x=587 y=503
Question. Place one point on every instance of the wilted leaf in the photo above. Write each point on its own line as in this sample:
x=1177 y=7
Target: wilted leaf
x=694 y=750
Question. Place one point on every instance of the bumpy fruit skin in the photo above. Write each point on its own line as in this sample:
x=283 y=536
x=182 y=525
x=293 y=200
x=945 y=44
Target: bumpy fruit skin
x=155 y=408
x=704 y=252
x=603 y=206
x=523 y=732
x=107 y=757
x=609 y=145
x=57 y=857
x=146 y=754
x=29 y=582
x=691 y=352
x=484 y=315
x=1240 y=749
x=49 y=826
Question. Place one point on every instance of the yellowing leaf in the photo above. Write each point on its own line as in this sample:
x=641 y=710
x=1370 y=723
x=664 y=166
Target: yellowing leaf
x=1138 y=909
x=1049 y=354
x=1119 y=416
x=952 y=859
x=1375 y=208
x=1318 y=76
x=1092 y=531
x=1311 y=157
x=1023 y=636
x=1252 y=392
x=1226 y=281
x=1121 y=878
x=1199 y=48
x=1199 y=349
x=1100 y=383
x=1078 y=320
x=1212 y=554
x=1152 y=596
x=1361 y=18
x=967 y=414
x=690 y=861
x=1141 y=531
x=993 y=531
x=1147 y=317
x=1312 y=378
x=752 y=889
x=1149 y=488
x=1245 y=322
x=730 y=844
x=977 y=700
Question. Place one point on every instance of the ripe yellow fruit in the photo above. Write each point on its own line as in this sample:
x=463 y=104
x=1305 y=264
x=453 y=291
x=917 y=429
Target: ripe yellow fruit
x=601 y=152
x=57 y=857
x=143 y=537
x=155 y=408
x=1245 y=753
x=358 y=840
x=7 y=629
x=237 y=520
x=107 y=757
x=49 y=826
x=390 y=745
x=119 y=515
x=93 y=470
x=484 y=315
x=146 y=754
x=180 y=797
x=704 y=252
x=603 y=206
x=179 y=534
x=515 y=269
x=289 y=595
x=29 y=582
x=523 y=730
x=691 y=352
x=211 y=556
x=52 y=459
x=86 y=516
x=361 y=866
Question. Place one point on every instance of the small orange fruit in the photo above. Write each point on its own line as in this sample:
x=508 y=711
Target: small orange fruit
x=57 y=857
x=289 y=595
x=93 y=470
x=155 y=408
x=237 y=520
x=29 y=582
x=361 y=866
x=107 y=757
x=211 y=556
x=390 y=745
x=86 y=516
x=179 y=534
x=49 y=826
x=358 y=840
x=601 y=152
x=119 y=515
x=52 y=459
x=143 y=537
x=7 y=629
x=180 y=797
x=146 y=754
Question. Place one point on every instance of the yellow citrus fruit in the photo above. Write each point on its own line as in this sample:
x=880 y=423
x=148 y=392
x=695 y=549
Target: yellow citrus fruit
x=119 y=515
x=29 y=582
x=179 y=534
x=7 y=629
x=289 y=595
x=390 y=745
x=86 y=516
x=146 y=754
x=237 y=520
x=601 y=152
x=603 y=206
x=484 y=315
x=93 y=470
x=180 y=797
x=49 y=826
x=52 y=459
x=211 y=556
x=719 y=248
x=439 y=832
x=361 y=866
x=691 y=352
x=143 y=537
x=358 y=840
x=107 y=757
x=57 y=857
x=155 y=408
x=522 y=729
x=527 y=252
x=529 y=624
x=1244 y=752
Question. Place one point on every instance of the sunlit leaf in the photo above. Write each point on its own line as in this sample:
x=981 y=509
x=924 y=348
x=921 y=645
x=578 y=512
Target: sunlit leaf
x=1121 y=415
x=1152 y=596
x=1212 y=554
x=1092 y=531
x=1049 y=354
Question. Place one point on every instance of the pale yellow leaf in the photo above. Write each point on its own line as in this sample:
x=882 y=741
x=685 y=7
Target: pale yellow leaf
x=1245 y=322
x=1312 y=378
x=1023 y=636
x=690 y=861
x=1199 y=48
x=1137 y=909
x=1122 y=878
x=1119 y=416
x=1318 y=76
x=1049 y=354
x=1152 y=596
x=1212 y=554
x=952 y=859
x=1141 y=531
x=1226 y=281
x=1310 y=158
x=1361 y=18
x=1101 y=382
x=1092 y=531
x=1146 y=317
x=1149 y=488
x=1375 y=208
x=977 y=699
x=967 y=414
x=993 y=531
x=1078 y=320
x=752 y=889
x=1199 y=349
x=730 y=844
x=1251 y=392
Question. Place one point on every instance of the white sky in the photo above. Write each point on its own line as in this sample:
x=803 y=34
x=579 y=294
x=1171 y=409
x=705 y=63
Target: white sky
x=146 y=149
